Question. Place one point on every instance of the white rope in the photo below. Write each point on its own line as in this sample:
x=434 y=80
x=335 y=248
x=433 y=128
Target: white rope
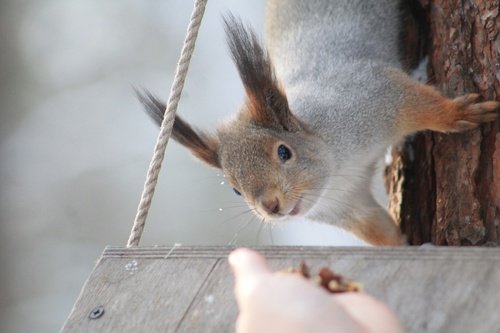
x=167 y=123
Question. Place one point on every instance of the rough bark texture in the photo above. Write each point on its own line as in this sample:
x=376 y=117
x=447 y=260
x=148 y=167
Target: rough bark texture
x=446 y=188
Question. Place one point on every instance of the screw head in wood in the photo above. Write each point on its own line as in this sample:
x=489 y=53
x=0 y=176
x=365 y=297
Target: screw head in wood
x=96 y=312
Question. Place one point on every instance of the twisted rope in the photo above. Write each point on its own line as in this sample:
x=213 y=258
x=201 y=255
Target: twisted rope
x=167 y=123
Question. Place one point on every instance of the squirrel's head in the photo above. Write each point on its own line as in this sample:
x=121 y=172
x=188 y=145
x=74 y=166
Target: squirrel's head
x=267 y=154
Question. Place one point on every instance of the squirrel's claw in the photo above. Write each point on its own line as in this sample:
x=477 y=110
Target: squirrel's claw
x=470 y=114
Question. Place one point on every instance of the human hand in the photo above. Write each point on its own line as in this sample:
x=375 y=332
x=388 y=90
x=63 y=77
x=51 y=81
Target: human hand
x=281 y=302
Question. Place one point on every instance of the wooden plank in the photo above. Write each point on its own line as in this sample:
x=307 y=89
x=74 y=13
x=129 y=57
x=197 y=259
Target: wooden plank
x=138 y=294
x=431 y=289
x=214 y=308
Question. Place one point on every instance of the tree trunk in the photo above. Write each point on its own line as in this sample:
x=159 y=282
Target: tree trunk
x=445 y=188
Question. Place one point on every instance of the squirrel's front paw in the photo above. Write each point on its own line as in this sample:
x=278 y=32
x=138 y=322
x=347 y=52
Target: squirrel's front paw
x=468 y=113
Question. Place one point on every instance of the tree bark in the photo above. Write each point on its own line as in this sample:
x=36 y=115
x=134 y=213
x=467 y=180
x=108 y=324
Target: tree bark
x=445 y=188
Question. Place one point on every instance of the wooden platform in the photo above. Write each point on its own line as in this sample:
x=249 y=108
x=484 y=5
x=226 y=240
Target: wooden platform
x=190 y=289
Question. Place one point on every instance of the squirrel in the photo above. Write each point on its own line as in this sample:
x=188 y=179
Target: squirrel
x=324 y=101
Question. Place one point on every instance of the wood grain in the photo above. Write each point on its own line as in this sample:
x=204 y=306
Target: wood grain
x=190 y=289
x=454 y=178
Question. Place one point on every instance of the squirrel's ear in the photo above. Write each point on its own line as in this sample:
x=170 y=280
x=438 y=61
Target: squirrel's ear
x=267 y=104
x=204 y=146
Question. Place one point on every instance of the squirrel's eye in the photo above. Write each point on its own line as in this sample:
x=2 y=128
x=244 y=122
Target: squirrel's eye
x=236 y=191
x=284 y=153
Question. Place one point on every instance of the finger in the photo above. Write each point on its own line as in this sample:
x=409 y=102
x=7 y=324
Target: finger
x=247 y=264
x=249 y=268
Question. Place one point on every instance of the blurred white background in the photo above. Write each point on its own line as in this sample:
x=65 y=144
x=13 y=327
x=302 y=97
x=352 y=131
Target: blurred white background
x=75 y=145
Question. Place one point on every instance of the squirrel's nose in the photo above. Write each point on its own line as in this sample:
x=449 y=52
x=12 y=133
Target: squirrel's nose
x=271 y=206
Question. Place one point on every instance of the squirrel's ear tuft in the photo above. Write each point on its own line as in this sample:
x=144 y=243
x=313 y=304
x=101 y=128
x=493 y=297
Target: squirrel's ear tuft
x=204 y=146
x=267 y=103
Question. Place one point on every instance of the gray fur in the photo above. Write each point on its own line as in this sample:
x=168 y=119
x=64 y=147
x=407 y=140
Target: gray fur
x=333 y=92
x=333 y=58
x=320 y=112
